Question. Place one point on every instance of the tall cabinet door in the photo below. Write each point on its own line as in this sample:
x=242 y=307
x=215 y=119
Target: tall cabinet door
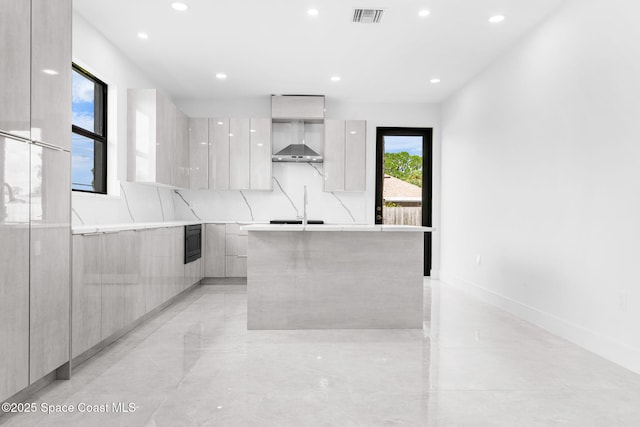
x=355 y=155
x=334 y=155
x=165 y=139
x=50 y=243
x=14 y=266
x=219 y=154
x=261 y=154
x=51 y=72
x=239 y=154
x=198 y=154
x=15 y=47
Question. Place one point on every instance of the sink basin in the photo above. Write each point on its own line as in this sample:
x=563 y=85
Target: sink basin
x=295 y=221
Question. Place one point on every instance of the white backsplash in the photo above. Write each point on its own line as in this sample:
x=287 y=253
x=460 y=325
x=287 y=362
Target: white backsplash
x=150 y=203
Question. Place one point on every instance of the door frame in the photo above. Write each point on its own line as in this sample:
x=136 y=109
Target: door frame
x=427 y=179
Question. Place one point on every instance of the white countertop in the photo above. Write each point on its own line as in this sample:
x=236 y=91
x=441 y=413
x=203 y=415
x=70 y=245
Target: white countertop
x=336 y=227
x=246 y=225
x=114 y=228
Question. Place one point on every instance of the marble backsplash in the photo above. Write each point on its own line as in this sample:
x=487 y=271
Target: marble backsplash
x=151 y=203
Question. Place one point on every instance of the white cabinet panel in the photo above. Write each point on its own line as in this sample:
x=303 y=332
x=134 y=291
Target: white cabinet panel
x=219 y=154
x=239 y=154
x=355 y=155
x=14 y=266
x=345 y=155
x=214 y=250
x=181 y=160
x=86 y=304
x=50 y=256
x=15 y=81
x=297 y=107
x=165 y=139
x=334 y=155
x=51 y=72
x=261 y=154
x=198 y=154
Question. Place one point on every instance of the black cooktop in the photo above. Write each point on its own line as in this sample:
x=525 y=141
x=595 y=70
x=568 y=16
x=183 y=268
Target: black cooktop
x=295 y=221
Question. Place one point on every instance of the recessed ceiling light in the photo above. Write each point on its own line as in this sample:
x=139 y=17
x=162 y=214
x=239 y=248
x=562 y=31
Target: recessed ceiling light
x=180 y=7
x=423 y=13
x=335 y=78
x=436 y=80
x=221 y=76
x=312 y=12
x=143 y=36
x=497 y=18
x=50 y=72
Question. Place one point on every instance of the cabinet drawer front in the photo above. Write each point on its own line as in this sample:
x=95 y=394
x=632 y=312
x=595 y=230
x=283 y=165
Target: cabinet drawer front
x=297 y=107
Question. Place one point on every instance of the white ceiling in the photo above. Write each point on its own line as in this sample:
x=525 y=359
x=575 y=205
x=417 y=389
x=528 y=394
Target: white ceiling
x=275 y=47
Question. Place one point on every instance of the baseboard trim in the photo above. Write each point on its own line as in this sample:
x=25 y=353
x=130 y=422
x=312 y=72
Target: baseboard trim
x=611 y=350
x=224 y=281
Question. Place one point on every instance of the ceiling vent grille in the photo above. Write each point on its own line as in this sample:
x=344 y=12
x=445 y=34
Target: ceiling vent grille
x=368 y=16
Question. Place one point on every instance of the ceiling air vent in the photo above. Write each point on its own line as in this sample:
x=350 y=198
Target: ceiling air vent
x=368 y=16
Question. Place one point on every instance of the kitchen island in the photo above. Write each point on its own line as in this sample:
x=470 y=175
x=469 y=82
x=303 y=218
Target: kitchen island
x=335 y=277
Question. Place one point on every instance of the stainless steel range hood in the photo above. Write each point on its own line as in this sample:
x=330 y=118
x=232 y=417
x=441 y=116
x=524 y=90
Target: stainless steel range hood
x=298 y=151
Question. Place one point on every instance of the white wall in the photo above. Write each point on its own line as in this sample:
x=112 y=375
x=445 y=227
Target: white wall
x=541 y=178
x=98 y=56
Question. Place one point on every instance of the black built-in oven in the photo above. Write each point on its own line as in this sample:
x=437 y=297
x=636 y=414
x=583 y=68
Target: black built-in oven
x=192 y=242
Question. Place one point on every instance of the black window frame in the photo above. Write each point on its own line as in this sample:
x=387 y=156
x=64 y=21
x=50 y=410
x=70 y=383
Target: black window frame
x=100 y=140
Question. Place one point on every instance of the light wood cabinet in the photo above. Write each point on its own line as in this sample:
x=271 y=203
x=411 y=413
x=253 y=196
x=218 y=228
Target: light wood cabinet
x=345 y=155
x=214 y=250
x=198 y=154
x=15 y=80
x=297 y=107
x=119 y=277
x=86 y=326
x=157 y=139
x=14 y=265
x=51 y=72
x=50 y=245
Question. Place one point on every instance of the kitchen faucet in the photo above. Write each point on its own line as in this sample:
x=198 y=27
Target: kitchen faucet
x=304 y=209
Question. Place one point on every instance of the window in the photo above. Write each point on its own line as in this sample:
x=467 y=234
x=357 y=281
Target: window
x=89 y=133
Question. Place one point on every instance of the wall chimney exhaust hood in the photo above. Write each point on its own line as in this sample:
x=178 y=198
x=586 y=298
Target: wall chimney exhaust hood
x=297 y=151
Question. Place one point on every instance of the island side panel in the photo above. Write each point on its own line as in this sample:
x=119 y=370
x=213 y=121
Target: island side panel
x=335 y=280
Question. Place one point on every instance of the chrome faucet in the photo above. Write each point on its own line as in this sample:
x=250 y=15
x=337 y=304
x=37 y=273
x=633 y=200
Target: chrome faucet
x=304 y=209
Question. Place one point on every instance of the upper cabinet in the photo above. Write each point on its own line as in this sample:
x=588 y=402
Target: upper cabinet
x=198 y=154
x=239 y=154
x=298 y=107
x=345 y=155
x=15 y=80
x=35 y=70
x=158 y=139
x=51 y=72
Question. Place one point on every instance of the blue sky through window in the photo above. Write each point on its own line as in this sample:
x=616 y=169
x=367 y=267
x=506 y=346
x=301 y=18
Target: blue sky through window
x=398 y=144
x=83 y=108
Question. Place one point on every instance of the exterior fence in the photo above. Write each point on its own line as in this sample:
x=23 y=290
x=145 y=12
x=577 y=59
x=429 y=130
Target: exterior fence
x=403 y=215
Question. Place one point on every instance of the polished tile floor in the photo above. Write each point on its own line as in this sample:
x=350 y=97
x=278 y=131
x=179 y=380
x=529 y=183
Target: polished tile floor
x=472 y=365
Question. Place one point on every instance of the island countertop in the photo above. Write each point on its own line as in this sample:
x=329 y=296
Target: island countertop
x=337 y=227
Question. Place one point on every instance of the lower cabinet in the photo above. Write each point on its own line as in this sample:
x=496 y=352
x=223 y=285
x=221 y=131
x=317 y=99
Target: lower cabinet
x=225 y=251
x=119 y=277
